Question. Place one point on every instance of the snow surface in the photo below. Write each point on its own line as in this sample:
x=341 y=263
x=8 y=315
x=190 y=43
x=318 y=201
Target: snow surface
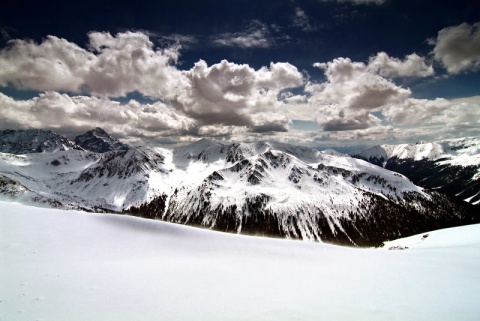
x=68 y=265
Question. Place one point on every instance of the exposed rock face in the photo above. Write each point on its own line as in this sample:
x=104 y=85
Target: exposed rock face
x=449 y=166
x=33 y=141
x=262 y=188
x=275 y=194
x=99 y=141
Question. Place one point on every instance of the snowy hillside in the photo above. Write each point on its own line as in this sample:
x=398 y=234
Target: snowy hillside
x=111 y=181
x=262 y=188
x=451 y=166
x=60 y=265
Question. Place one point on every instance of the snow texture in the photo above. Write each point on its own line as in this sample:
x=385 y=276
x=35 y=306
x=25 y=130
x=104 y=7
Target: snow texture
x=59 y=265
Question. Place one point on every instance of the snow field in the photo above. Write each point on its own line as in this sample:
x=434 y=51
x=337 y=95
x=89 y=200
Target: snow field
x=68 y=265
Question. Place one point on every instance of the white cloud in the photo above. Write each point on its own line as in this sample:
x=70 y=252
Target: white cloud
x=128 y=62
x=463 y=113
x=351 y=85
x=221 y=130
x=412 y=66
x=185 y=41
x=225 y=94
x=416 y=111
x=113 y=66
x=334 y=118
x=257 y=35
x=439 y=118
x=301 y=20
x=231 y=94
x=458 y=48
x=353 y=91
x=61 y=112
x=55 y=64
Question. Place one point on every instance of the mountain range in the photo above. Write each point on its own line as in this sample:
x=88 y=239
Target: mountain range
x=450 y=166
x=261 y=188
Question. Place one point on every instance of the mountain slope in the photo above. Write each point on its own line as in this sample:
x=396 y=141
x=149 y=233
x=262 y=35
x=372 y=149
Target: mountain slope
x=262 y=188
x=336 y=200
x=59 y=265
x=99 y=141
x=33 y=141
x=450 y=166
x=110 y=181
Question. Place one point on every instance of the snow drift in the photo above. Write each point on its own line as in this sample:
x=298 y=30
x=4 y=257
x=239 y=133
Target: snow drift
x=59 y=265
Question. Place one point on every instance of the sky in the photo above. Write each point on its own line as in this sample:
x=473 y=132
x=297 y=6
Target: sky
x=338 y=74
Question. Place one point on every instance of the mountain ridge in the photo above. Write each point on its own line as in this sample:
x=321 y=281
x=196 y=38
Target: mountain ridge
x=261 y=188
x=26 y=141
x=99 y=141
x=450 y=166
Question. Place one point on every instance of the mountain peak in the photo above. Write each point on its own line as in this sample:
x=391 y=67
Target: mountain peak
x=99 y=141
x=99 y=131
x=449 y=166
x=25 y=141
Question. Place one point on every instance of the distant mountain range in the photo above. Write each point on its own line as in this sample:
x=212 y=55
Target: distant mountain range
x=46 y=141
x=262 y=188
x=449 y=166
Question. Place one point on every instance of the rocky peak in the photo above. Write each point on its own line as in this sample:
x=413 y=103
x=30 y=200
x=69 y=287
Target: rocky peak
x=33 y=141
x=99 y=141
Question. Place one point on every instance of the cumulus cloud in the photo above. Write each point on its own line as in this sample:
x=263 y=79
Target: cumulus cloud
x=231 y=94
x=412 y=66
x=221 y=130
x=334 y=118
x=112 y=66
x=52 y=110
x=257 y=35
x=463 y=113
x=225 y=94
x=416 y=111
x=457 y=117
x=354 y=91
x=128 y=62
x=55 y=64
x=458 y=48
x=351 y=85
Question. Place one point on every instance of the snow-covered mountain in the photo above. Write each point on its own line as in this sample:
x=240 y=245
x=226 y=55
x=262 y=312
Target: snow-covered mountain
x=33 y=141
x=99 y=141
x=450 y=166
x=263 y=188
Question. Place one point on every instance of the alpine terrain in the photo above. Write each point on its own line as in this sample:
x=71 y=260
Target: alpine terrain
x=451 y=166
x=261 y=188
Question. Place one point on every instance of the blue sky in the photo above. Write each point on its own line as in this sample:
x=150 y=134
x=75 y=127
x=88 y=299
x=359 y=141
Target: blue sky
x=330 y=73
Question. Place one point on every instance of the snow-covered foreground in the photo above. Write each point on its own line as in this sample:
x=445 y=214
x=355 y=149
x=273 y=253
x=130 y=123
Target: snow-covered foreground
x=59 y=265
